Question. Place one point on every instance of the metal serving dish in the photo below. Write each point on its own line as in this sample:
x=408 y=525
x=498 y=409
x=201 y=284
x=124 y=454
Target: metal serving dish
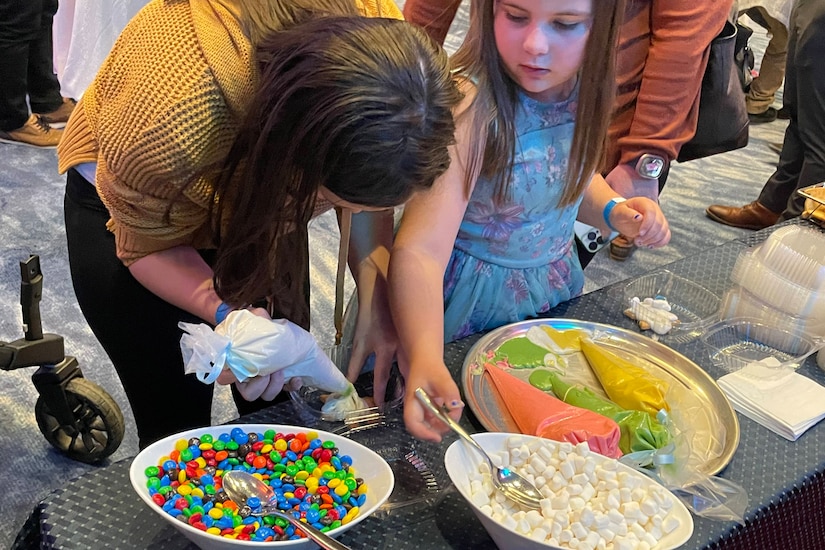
x=662 y=361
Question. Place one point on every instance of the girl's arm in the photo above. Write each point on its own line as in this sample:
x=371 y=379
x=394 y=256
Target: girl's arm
x=369 y=255
x=419 y=258
x=639 y=218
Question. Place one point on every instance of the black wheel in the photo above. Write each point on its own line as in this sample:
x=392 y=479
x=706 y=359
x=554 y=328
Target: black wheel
x=99 y=425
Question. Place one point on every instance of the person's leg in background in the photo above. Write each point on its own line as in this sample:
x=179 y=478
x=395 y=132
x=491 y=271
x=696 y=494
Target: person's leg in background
x=21 y=33
x=762 y=91
x=43 y=86
x=802 y=161
x=435 y=16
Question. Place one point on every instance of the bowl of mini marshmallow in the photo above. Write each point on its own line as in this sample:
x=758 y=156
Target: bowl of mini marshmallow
x=589 y=501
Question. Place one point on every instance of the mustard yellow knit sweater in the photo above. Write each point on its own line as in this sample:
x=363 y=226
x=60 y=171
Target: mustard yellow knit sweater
x=161 y=113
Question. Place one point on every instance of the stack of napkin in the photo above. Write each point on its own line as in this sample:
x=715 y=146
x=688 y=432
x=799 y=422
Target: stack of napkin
x=783 y=401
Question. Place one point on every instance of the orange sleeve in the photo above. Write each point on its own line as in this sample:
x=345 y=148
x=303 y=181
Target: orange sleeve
x=663 y=52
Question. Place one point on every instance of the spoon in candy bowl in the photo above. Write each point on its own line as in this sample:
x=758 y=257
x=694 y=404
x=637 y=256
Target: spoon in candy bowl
x=240 y=486
x=511 y=484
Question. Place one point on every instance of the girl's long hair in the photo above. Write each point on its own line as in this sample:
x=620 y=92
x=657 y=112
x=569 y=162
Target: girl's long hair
x=361 y=106
x=494 y=107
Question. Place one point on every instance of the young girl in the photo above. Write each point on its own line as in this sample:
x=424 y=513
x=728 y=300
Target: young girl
x=492 y=242
x=352 y=111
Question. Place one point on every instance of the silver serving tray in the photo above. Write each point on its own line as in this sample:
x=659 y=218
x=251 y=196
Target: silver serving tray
x=485 y=402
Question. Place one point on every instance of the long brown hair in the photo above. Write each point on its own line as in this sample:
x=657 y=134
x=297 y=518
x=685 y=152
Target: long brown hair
x=494 y=107
x=361 y=106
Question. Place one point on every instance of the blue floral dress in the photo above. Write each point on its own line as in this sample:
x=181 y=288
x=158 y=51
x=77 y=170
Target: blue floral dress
x=517 y=260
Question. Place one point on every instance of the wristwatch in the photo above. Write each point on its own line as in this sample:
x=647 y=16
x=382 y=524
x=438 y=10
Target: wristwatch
x=650 y=166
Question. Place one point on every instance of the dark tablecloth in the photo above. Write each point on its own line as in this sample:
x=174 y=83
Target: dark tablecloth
x=785 y=480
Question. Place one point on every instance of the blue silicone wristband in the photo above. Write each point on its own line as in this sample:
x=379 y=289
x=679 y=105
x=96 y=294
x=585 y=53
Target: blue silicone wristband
x=608 y=208
x=221 y=313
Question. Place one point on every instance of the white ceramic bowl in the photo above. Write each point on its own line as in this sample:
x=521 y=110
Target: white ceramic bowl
x=368 y=465
x=460 y=459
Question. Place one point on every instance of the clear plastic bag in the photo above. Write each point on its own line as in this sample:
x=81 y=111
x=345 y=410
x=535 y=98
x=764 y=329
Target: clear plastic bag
x=249 y=345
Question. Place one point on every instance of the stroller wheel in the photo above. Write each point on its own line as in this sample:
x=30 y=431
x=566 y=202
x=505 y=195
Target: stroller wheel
x=98 y=423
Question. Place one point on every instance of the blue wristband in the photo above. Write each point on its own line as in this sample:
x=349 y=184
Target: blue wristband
x=221 y=313
x=608 y=208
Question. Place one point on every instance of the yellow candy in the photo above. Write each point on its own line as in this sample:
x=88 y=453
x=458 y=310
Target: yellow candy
x=205 y=446
x=266 y=449
x=215 y=513
x=317 y=473
x=341 y=489
x=333 y=483
x=181 y=444
x=184 y=489
x=287 y=494
x=280 y=445
x=362 y=489
x=197 y=492
x=311 y=484
x=312 y=435
x=302 y=475
x=216 y=531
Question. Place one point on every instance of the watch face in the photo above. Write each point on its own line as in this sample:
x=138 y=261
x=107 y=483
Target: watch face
x=650 y=166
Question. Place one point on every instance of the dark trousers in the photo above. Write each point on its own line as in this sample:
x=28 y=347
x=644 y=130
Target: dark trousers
x=138 y=330
x=26 y=61
x=802 y=162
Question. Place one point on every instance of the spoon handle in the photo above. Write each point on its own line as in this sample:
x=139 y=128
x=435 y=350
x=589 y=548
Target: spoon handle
x=455 y=426
x=319 y=537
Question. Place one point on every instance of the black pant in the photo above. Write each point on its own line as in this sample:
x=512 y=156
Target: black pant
x=138 y=330
x=26 y=61
x=802 y=162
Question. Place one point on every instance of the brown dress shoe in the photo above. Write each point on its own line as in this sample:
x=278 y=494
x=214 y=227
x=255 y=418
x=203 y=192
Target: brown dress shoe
x=750 y=216
x=621 y=248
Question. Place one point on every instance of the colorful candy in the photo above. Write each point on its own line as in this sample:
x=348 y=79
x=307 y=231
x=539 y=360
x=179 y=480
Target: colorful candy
x=310 y=479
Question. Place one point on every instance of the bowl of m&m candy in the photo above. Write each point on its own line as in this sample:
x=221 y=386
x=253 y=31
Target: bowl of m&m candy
x=320 y=478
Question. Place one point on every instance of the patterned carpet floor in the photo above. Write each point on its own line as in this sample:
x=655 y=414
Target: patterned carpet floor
x=31 y=222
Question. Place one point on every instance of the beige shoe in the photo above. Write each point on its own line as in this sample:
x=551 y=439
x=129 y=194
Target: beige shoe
x=35 y=133
x=60 y=116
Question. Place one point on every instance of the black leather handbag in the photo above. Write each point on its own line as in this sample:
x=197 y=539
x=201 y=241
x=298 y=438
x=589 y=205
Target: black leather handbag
x=723 y=116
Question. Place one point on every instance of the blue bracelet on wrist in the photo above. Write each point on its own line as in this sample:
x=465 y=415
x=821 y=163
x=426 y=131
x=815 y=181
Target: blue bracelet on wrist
x=221 y=313
x=608 y=208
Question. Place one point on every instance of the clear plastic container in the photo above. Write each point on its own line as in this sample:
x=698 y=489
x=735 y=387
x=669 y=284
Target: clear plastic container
x=739 y=302
x=770 y=286
x=797 y=253
x=694 y=305
x=733 y=343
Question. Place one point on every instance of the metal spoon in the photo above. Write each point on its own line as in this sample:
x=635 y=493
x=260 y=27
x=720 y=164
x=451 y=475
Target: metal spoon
x=240 y=486
x=511 y=484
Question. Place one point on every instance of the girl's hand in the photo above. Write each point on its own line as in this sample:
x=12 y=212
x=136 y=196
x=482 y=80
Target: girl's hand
x=441 y=387
x=642 y=220
x=374 y=328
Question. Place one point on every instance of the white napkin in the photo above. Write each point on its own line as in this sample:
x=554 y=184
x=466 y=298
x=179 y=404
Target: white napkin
x=783 y=401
